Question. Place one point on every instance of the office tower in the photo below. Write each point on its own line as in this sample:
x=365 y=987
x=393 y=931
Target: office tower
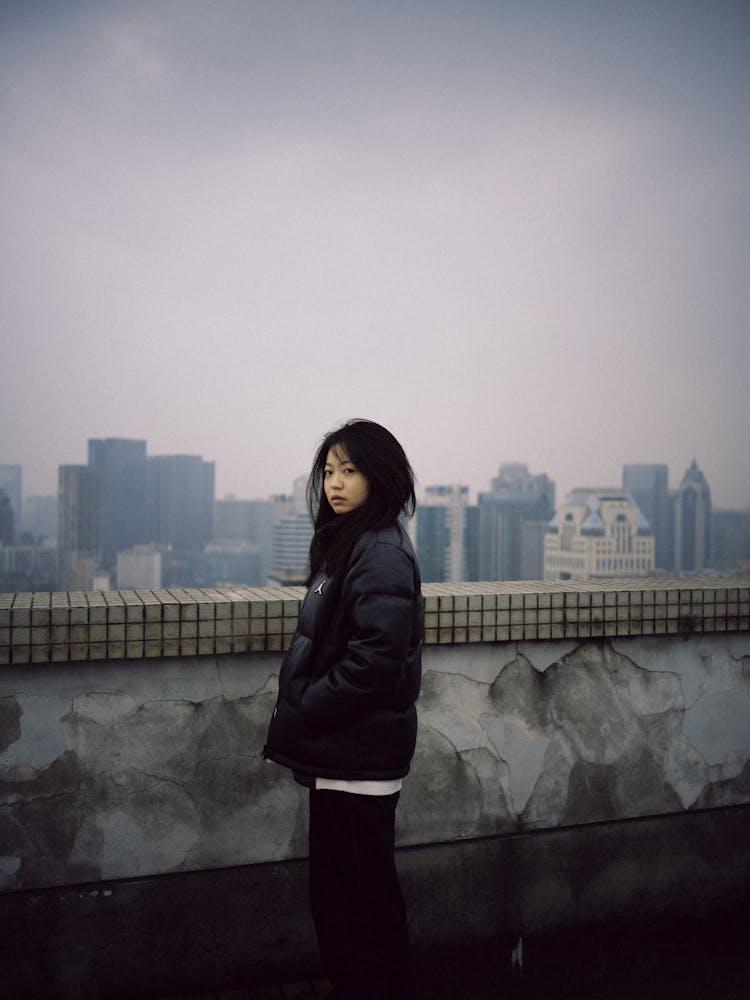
x=531 y=557
x=232 y=520
x=292 y=534
x=440 y=533
x=180 y=490
x=39 y=517
x=7 y=525
x=506 y=550
x=27 y=568
x=648 y=485
x=11 y=483
x=692 y=527
x=471 y=543
x=122 y=468
x=730 y=541
x=597 y=534
x=79 y=525
x=79 y=508
x=243 y=534
x=242 y=520
x=433 y=543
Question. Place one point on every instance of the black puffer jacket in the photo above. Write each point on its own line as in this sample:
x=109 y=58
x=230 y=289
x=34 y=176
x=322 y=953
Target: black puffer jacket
x=350 y=679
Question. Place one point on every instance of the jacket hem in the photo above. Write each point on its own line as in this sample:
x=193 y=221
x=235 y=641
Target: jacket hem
x=343 y=774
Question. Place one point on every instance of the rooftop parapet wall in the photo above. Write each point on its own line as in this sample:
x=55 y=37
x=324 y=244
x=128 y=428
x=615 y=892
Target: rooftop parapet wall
x=61 y=627
x=123 y=767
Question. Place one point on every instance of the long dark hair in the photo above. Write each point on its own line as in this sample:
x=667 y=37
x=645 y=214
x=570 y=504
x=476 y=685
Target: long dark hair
x=380 y=458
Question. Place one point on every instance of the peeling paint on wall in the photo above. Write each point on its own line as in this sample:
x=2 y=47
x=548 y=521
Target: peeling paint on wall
x=118 y=770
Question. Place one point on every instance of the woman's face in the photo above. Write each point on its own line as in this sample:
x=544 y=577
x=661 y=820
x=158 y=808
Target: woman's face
x=345 y=486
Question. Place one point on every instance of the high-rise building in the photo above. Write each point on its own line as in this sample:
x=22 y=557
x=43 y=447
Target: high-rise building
x=122 y=468
x=79 y=509
x=292 y=534
x=239 y=524
x=730 y=541
x=232 y=519
x=598 y=533
x=180 y=500
x=533 y=532
x=440 y=533
x=242 y=520
x=11 y=478
x=471 y=543
x=7 y=521
x=649 y=487
x=433 y=543
x=29 y=568
x=692 y=524
x=79 y=525
x=506 y=550
x=39 y=517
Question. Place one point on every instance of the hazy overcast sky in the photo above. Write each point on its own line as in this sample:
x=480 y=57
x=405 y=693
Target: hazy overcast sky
x=510 y=231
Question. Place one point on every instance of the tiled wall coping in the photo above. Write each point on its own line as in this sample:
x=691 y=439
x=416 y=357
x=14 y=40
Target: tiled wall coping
x=133 y=624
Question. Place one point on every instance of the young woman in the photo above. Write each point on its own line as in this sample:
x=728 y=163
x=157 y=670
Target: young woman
x=345 y=720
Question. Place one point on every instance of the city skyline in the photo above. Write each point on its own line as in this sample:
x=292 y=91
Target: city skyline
x=508 y=232
x=675 y=476
x=674 y=479
x=154 y=521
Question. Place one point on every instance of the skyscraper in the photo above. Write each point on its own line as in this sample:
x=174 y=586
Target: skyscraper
x=79 y=508
x=11 y=477
x=7 y=527
x=516 y=497
x=122 y=468
x=180 y=500
x=79 y=525
x=440 y=533
x=649 y=487
x=730 y=541
x=292 y=534
x=40 y=516
x=692 y=528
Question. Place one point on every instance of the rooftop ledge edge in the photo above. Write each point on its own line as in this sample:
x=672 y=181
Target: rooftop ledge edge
x=138 y=624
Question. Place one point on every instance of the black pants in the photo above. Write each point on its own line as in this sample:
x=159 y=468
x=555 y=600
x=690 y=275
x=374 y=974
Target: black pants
x=356 y=900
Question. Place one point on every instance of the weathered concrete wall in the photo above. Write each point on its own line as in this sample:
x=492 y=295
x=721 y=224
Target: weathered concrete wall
x=116 y=769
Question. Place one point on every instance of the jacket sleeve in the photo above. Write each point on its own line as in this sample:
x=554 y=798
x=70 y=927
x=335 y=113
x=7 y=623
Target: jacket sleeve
x=379 y=589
